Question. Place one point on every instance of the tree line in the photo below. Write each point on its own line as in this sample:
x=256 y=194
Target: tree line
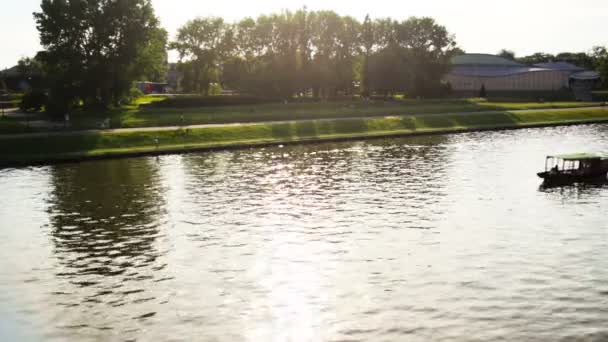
x=95 y=50
x=314 y=52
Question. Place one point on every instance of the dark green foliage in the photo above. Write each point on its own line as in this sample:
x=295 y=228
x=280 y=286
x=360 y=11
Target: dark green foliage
x=134 y=94
x=205 y=42
x=388 y=72
x=94 y=50
x=33 y=101
x=536 y=58
x=32 y=73
x=600 y=57
x=507 y=54
x=580 y=59
x=323 y=54
x=482 y=91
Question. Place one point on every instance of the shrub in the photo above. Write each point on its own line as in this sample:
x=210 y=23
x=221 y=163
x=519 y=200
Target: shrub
x=33 y=101
x=482 y=91
x=134 y=94
x=215 y=89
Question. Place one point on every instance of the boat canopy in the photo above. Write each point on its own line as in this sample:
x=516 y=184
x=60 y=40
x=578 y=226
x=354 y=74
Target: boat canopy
x=581 y=156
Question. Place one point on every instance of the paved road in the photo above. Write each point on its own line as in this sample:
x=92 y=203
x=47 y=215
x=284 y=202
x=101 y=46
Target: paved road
x=173 y=128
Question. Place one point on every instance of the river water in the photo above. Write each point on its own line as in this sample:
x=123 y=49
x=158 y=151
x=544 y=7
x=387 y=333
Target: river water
x=442 y=238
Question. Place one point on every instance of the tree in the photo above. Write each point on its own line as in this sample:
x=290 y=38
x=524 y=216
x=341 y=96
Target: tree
x=91 y=48
x=507 y=54
x=600 y=57
x=536 y=58
x=206 y=43
x=151 y=63
x=294 y=53
x=388 y=71
x=580 y=59
x=482 y=91
x=427 y=49
x=337 y=43
x=367 y=42
x=31 y=72
x=32 y=83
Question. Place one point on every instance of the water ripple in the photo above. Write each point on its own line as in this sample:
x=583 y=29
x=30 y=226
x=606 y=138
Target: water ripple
x=444 y=238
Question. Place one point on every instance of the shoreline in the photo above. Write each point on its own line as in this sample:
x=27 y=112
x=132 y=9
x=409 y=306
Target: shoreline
x=17 y=161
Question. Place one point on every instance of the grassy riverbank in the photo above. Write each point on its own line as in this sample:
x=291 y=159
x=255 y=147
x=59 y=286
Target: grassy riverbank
x=42 y=149
x=142 y=114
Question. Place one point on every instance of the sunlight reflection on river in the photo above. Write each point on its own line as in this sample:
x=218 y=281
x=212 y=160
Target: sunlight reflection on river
x=432 y=238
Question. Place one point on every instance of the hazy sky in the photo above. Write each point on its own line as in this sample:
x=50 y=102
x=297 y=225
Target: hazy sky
x=525 y=26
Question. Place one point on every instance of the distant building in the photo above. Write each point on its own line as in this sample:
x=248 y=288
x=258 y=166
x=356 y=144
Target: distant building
x=14 y=80
x=151 y=87
x=174 y=77
x=499 y=75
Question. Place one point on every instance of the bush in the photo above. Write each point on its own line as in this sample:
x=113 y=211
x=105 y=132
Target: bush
x=482 y=91
x=134 y=94
x=215 y=89
x=33 y=101
x=59 y=102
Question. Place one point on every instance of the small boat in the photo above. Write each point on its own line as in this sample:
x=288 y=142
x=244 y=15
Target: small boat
x=578 y=167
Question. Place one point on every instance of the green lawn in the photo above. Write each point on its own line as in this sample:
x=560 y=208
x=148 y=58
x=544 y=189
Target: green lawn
x=152 y=117
x=76 y=145
x=136 y=115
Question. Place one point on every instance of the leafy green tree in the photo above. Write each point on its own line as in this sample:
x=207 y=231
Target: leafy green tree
x=388 y=72
x=367 y=42
x=32 y=79
x=507 y=54
x=321 y=52
x=580 y=59
x=536 y=58
x=336 y=43
x=91 y=48
x=427 y=49
x=31 y=70
x=206 y=43
x=152 y=63
x=600 y=57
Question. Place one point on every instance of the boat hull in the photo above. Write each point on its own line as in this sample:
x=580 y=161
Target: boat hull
x=567 y=178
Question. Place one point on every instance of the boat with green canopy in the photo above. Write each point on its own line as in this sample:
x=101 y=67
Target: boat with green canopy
x=576 y=167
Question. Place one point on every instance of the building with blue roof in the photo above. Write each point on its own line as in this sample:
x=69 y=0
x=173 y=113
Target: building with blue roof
x=501 y=76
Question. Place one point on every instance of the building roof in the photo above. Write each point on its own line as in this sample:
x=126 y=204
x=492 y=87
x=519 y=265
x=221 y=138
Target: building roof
x=492 y=71
x=481 y=59
x=484 y=65
x=586 y=75
x=563 y=66
x=582 y=156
